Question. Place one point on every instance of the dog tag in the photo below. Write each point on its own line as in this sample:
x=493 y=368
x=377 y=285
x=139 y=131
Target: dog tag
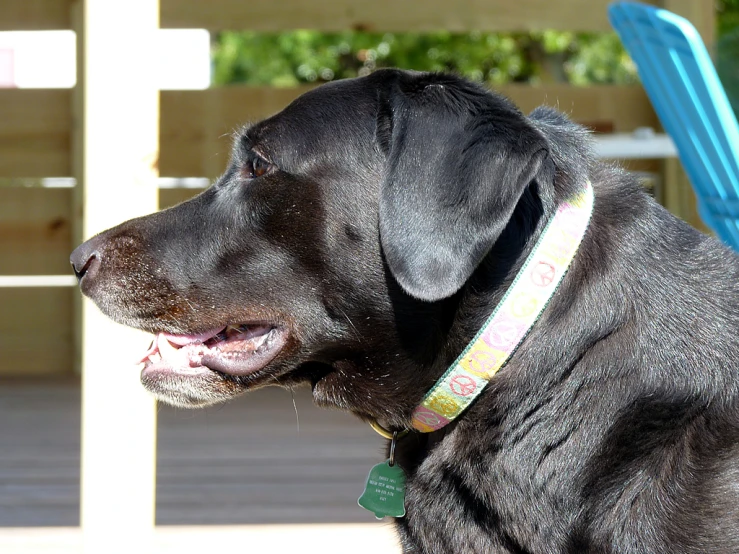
x=384 y=493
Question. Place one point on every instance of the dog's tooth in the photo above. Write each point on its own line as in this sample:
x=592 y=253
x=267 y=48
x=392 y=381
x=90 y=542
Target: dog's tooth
x=262 y=346
x=262 y=340
x=152 y=349
x=165 y=347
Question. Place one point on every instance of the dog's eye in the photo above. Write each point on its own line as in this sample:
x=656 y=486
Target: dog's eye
x=256 y=167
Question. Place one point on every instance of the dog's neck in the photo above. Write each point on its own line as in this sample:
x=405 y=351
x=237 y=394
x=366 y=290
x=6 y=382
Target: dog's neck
x=517 y=312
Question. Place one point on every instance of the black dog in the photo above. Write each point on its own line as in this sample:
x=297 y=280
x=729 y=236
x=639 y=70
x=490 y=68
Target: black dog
x=359 y=240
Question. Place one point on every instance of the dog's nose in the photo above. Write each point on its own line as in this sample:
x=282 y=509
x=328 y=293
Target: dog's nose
x=86 y=259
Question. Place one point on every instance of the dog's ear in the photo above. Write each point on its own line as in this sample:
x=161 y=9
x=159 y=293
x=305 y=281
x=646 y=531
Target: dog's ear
x=458 y=161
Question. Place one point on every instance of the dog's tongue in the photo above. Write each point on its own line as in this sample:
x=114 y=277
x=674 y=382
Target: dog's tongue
x=178 y=340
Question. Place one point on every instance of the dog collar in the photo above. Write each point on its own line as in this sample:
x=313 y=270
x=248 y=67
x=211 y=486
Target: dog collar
x=512 y=319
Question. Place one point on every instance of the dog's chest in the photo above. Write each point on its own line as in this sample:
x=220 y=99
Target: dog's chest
x=482 y=501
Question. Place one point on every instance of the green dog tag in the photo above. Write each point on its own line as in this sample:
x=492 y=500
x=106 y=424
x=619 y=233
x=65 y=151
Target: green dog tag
x=384 y=493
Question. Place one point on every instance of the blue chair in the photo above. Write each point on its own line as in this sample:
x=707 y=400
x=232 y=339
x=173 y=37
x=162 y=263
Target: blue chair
x=682 y=84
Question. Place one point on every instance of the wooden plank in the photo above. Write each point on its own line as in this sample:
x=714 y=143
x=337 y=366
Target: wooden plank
x=35 y=238
x=34 y=133
x=119 y=121
x=624 y=107
x=244 y=462
x=35 y=331
x=334 y=538
x=171 y=197
x=35 y=231
x=197 y=126
x=76 y=104
x=328 y=15
x=34 y=15
x=388 y=15
x=15 y=281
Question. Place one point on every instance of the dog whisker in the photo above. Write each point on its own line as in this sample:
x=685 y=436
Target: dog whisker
x=295 y=406
x=356 y=332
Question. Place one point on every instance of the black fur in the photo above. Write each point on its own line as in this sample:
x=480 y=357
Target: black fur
x=399 y=208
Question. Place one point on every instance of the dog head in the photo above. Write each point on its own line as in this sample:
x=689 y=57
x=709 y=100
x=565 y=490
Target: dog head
x=337 y=247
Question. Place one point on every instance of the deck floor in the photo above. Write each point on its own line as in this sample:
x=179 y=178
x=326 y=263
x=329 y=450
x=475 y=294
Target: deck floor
x=239 y=464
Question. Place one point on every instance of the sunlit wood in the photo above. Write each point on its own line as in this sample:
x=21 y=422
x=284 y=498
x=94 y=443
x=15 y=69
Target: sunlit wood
x=330 y=15
x=116 y=153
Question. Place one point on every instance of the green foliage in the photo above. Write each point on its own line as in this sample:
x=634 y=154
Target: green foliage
x=727 y=49
x=305 y=56
x=728 y=16
x=601 y=59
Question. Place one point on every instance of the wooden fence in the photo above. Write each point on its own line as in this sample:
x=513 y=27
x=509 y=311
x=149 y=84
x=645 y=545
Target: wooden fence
x=37 y=130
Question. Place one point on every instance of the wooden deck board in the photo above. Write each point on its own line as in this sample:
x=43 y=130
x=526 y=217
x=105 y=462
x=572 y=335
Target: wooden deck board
x=242 y=463
x=332 y=538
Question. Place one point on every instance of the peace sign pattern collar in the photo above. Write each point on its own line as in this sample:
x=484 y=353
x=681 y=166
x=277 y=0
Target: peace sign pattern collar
x=512 y=319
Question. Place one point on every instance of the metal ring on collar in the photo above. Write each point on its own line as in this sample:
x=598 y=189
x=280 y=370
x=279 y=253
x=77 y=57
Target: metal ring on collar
x=380 y=430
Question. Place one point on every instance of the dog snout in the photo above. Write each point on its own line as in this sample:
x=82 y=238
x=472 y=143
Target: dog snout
x=86 y=260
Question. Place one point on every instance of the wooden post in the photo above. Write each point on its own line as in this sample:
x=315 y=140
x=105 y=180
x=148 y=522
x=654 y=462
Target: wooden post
x=116 y=148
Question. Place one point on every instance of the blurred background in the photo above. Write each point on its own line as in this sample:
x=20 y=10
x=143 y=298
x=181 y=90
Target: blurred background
x=270 y=457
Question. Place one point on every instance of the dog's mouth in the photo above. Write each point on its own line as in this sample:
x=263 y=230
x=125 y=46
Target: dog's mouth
x=237 y=350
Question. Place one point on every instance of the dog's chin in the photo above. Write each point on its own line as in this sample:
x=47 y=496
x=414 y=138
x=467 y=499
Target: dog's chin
x=196 y=390
x=207 y=368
